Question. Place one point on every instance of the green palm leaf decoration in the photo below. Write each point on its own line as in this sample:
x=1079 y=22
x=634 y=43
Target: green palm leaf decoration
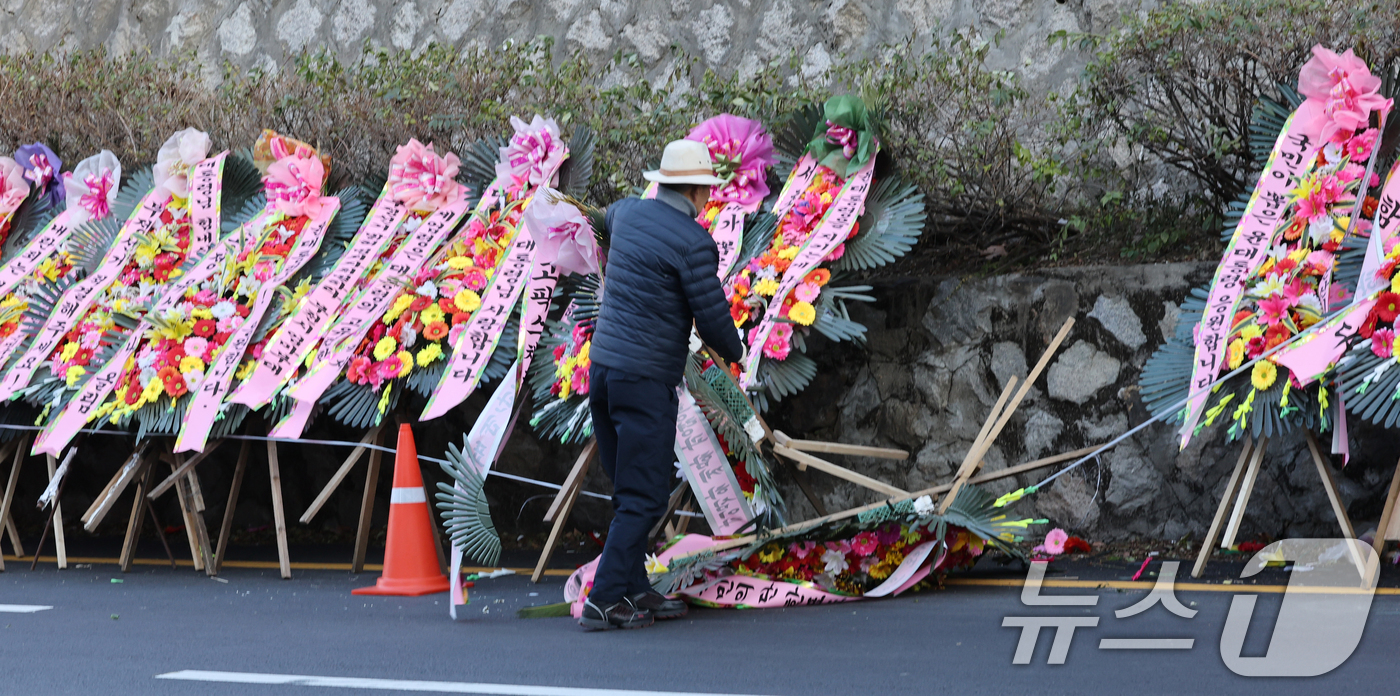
x=893 y=221
x=241 y=180
x=465 y=511
x=478 y=167
x=577 y=171
x=33 y=214
x=791 y=141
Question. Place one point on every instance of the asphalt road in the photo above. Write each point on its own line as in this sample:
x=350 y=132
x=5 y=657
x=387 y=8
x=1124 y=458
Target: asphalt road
x=102 y=637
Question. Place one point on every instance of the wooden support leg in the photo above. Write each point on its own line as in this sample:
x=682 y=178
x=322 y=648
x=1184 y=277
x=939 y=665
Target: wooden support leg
x=187 y=515
x=805 y=484
x=1388 y=516
x=684 y=524
x=227 y=526
x=278 y=514
x=340 y=475
x=1329 y=484
x=672 y=506
x=129 y=471
x=21 y=445
x=561 y=516
x=1246 y=488
x=201 y=530
x=357 y=562
x=965 y=469
x=1208 y=544
x=59 y=544
x=135 y=520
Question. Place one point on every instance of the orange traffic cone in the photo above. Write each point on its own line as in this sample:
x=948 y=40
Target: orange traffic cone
x=410 y=561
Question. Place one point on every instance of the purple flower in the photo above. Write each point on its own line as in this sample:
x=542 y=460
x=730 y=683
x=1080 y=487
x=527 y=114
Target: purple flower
x=42 y=167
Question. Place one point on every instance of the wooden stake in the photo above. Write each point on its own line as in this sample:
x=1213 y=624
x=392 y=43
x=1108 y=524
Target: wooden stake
x=357 y=563
x=1231 y=487
x=979 y=450
x=1246 y=488
x=21 y=444
x=1388 y=515
x=182 y=470
x=58 y=540
x=186 y=514
x=226 y=527
x=802 y=458
x=671 y=506
x=279 y=516
x=575 y=477
x=1329 y=484
x=340 y=475
x=840 y=448
x=129 y=472
x=135 y=520
x=800 y=476
x=561 y=516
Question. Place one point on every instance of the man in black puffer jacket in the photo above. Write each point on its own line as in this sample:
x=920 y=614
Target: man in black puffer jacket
x=661 y=278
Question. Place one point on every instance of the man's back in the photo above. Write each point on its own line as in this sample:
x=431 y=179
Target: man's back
x=660 y=276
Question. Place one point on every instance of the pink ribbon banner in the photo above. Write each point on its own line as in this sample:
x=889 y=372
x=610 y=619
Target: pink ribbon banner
x=1294 y=153
x=1386 y=227
x=476 y=343
x=484 y=442
x=834 y=228
x=76 y=300
x=299 y=333
x=338 y=345
x=206 y=197
x=207 y=402
x=707 y=469
x=797 y=183
x=79 y=411
x=41 y=247
x=538 y=295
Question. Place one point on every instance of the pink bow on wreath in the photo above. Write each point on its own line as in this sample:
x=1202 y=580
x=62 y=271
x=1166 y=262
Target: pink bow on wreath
x=422 y=179
x=843 y=136
x=293 y=182
x=13 y=187
x=95 y=200
x=534 y=150
x=1345 y=89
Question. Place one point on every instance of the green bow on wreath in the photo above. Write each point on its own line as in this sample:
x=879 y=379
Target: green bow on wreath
x=847 y=140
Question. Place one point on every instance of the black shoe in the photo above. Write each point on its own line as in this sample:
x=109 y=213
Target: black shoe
x=658 y=604
x=624 y=614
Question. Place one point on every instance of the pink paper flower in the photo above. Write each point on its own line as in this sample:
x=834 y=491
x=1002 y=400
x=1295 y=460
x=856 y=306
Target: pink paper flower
x=1383 y=343
x=1315 y=194
x=13 y=188
x=847 y=138
x=91 y=188
x=742 y=152
x=422 y=179
x=534 y=154
x=562 y=234
x=175 y=158
x=1344 y=89
x=807 y=292
x=293 y=182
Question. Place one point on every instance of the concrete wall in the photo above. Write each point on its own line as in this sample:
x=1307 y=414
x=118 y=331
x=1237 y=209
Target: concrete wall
x=726 y=34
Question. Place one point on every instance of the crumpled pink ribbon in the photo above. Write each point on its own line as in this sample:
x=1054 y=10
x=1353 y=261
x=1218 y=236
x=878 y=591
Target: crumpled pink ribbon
x=423 y=180
x=534 y=150
x=13 y=187
x=843 y=136
x=293 y=182
x=744 y=149
x=563 y=235
x=95 y=200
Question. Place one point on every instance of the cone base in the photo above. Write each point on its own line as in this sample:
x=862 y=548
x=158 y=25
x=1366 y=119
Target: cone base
x=416 y=587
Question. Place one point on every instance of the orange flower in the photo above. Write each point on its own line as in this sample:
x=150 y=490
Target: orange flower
x=820 y=276
x=435 y=331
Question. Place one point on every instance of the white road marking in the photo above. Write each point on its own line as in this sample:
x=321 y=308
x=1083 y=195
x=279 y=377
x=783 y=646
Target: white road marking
x=21 y=608
x=410 y=685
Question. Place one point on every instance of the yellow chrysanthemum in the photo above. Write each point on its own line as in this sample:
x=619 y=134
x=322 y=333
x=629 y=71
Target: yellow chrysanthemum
x=74 y=374
x=190 y=363
x=68 y=352
x=459 y=262
x=153 y=390
x=583 y=352
x=789 y=253
x=826 y=198
x=1251 y=332
x=1395 y=282
x=407 y=359
x=467 y=301
x=201 y=313
x=1395 y=346
x=1235 y=355
x=770 y=553
x=766 y=287
x=428 y=355
x=431 y=315
x=1264 y=375
x=803 y=313
x=385 y=347
x=245 y=369
x=400 y=306
x=565 y=386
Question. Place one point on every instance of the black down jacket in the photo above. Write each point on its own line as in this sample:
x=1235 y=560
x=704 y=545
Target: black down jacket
x=660 y=277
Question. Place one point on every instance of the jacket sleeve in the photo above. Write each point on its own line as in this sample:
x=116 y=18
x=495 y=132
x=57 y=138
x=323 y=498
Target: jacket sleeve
x=706 y=297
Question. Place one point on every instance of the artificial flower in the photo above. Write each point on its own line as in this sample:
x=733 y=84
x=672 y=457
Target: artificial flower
x=533 y=155
x=1383 y=342
x=91 y=188
x=803 y=313
x=1264 y=375
x=742 y=152
x=1343 y=87
x=467 y=301
x=42 y=167
x=423 y=180
x=385 y=347
x=176 y=156
x=429 y=354
x=13 y=187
